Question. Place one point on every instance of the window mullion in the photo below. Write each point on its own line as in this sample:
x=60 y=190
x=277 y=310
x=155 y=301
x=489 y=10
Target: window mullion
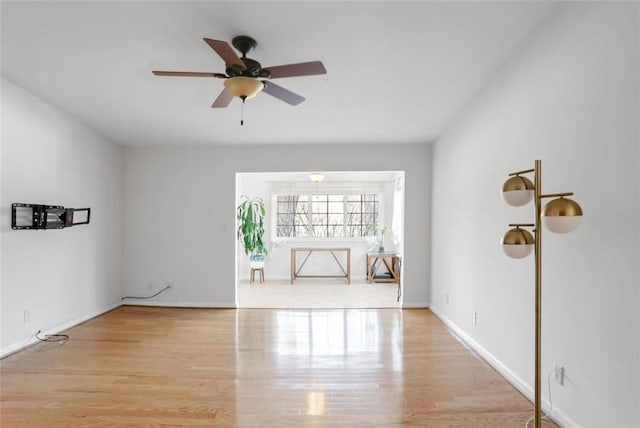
x=327 y=217
x=309 y=217
x=344 y=216
x=361 y=213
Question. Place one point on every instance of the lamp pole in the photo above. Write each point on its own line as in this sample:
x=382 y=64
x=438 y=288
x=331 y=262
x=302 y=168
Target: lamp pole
x=537 y=184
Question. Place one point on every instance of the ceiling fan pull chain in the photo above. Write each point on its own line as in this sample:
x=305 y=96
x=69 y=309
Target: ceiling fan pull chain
x=242 y=112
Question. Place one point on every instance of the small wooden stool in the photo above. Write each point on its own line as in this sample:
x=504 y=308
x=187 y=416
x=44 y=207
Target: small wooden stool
x=253 y=274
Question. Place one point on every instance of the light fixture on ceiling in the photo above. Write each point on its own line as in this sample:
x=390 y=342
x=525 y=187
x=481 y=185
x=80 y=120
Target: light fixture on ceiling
x=561 y=215
x=243 y=87
x=242 y=75
x=316 y=177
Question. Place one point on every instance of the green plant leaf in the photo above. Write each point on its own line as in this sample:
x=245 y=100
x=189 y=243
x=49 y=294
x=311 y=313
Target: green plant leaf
x=251 y=213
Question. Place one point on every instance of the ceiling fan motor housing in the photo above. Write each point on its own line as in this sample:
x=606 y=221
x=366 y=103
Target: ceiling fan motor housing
x=244 y=44
x=253 y=68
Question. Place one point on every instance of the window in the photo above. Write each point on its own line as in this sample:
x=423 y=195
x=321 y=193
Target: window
x=327 y=216
x=362 y=215
x=293 y=216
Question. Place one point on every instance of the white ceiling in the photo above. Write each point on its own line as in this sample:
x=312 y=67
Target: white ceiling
x=329 y=176
x=397 y=71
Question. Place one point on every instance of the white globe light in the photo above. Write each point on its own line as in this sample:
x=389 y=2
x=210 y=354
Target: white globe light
x=517 y=191
x=517 y=198
x=562 y=215
x=517 y=243
x=562 y=224
x=517 y=251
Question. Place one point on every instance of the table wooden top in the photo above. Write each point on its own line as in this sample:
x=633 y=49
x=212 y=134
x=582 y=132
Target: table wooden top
x=320 y=249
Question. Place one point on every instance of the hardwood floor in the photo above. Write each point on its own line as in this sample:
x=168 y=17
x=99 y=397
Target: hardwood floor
x=144 y=366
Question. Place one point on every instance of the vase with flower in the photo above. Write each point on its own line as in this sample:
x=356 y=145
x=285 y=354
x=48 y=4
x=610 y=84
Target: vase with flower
x=382 y=232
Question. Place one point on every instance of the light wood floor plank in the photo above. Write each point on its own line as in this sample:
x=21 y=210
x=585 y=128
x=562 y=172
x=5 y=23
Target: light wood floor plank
x=144 y=366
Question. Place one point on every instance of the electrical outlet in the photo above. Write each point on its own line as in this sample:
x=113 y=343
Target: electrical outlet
x=150 y=286
x=27 y=315
x=170 y=285
x=475 y=318
x=558 y=374
x=447 y=298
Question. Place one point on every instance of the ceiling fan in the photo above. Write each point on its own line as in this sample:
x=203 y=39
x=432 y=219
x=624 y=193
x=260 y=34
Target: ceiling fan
x=243 y=78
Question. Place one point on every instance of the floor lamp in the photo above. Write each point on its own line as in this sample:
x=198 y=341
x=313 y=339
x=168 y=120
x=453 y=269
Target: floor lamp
x=561 y=215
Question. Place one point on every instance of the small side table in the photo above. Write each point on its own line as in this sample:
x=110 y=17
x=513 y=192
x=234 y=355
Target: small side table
x=390 y=262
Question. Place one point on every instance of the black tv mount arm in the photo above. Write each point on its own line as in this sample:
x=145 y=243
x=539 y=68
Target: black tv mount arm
x=46 y=216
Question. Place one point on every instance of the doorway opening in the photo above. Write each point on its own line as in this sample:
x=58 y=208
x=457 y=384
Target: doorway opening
x=333 y=239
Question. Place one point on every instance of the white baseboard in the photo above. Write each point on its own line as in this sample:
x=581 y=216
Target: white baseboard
x=415 y=305
x=180 y=304
x=557 y=415
x=18 y=346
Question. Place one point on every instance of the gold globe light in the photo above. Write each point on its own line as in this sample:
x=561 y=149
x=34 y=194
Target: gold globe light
x=243 y=87
x=517 y=191
x=562 y=215
x=517 y=243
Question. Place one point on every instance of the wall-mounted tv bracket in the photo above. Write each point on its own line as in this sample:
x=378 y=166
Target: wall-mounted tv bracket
x=34 y=216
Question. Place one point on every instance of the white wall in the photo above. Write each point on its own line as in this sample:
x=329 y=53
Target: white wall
x=61 y=276
x=180 y=205
x=570 y=98
x=278 y=261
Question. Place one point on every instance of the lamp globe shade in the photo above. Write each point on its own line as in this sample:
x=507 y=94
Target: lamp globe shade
x=562 y=215
x=243 y=87
x=517 y=191
x=517 y=243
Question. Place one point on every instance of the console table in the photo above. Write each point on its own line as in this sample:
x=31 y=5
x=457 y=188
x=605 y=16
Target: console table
x=390 y=262
x=295 y=270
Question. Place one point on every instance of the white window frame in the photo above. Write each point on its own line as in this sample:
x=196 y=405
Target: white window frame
x=344 y=238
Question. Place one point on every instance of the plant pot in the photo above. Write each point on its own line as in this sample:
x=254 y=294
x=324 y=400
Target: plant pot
x=256 y=261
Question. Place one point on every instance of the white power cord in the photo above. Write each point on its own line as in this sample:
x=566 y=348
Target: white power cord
x=546 y=415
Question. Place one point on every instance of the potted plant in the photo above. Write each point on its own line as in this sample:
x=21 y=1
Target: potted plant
x=251 y=214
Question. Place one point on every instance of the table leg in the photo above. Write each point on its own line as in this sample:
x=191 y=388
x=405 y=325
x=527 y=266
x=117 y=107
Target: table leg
x=349 y=266
x=293 y=264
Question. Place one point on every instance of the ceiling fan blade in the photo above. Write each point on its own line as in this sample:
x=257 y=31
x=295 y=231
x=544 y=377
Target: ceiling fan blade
x=226 y=52
x=282 y=94
x=188 y=74
x=223 y=99
x=299 y=69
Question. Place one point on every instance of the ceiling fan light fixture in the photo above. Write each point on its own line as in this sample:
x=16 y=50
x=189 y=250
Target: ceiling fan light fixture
x=243 y=87
x=316 y=177
x=243 y=74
